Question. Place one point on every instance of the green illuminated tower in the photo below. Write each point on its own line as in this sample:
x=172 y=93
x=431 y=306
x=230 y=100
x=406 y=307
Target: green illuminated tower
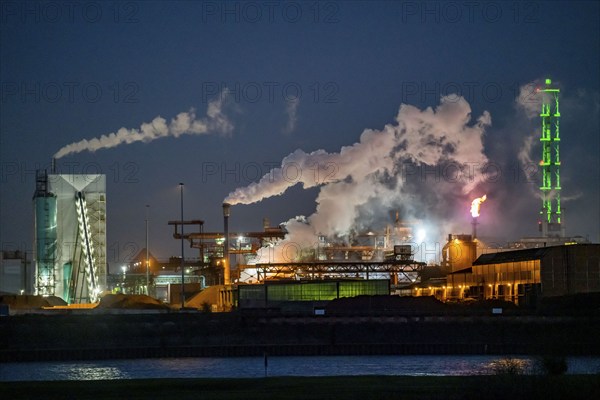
x=551 y=211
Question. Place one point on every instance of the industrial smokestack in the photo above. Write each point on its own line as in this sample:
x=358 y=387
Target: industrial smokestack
x=475 y=207
x=226 y=272
x=53 y=166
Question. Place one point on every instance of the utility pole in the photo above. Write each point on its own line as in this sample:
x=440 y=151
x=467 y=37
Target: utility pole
x=147 y=255
x=182 y=255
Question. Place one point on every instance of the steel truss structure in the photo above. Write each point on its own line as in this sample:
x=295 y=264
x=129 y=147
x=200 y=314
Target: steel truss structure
x=550 y=164
x=320 y=269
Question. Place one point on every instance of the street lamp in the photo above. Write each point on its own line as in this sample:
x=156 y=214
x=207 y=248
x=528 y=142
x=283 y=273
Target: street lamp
x=182 y=263
x=240 y=241
x=124 y=269
x=147 y=256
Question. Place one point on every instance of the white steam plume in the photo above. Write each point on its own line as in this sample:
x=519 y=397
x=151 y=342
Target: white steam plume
x=291 y=110
x=423 y=137
x=360 y=175
x=529 y=102
x=183 y=123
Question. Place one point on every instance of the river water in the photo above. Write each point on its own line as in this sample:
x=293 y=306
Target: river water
x=254 y=367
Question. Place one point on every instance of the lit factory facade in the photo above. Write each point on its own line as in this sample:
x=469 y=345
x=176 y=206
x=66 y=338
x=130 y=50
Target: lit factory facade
x=70 y=236
x=519 y=276
x=522 y=275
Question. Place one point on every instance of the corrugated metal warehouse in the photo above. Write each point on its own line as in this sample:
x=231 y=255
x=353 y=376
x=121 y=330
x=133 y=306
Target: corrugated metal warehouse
x=522 y=275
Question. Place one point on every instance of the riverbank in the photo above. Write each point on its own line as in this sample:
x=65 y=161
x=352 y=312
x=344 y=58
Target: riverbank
x=105 y=336
x=342 y=387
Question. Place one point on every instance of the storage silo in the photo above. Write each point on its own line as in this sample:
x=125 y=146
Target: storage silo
x=70 y=218
x=44 y=203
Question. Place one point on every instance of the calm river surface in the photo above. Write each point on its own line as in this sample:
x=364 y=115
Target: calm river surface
x=252 y=367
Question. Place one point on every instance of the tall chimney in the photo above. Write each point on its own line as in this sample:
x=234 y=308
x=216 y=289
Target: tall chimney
x=226 y=271
x=53 y=166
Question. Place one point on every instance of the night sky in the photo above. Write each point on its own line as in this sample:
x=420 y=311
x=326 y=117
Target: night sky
x=266 y=80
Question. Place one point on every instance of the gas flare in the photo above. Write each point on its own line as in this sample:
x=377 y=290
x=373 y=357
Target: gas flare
x=476 y=205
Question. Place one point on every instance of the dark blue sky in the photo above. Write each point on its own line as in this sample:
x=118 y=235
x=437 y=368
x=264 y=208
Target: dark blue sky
x=72 y=71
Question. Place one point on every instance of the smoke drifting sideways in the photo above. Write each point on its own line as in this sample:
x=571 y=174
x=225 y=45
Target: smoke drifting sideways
x=184 y=123
x=529 y=103
x=422 y=165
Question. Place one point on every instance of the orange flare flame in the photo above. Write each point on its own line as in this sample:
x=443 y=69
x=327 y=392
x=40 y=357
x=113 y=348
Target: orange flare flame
x=476 y=204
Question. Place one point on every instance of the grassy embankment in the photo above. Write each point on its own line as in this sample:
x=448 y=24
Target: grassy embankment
x=356 y=387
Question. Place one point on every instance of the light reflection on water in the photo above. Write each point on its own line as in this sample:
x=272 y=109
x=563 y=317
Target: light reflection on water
x=91 y=372
x=253 y=367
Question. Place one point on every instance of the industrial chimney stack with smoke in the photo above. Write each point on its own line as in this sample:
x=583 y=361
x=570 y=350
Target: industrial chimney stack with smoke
x=226 y=271
x=475 y=206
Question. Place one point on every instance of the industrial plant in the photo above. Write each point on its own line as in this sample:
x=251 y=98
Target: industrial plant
x=263 y=269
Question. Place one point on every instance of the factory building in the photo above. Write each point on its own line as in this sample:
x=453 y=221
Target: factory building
x=16 y=272
x=460 y=251
x=70 y=236
x=521 y=276
x=298 y=296
x=329 y=272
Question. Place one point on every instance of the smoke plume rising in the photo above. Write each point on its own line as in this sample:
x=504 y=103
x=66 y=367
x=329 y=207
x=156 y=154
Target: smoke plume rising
x=291 y=109
x=383 y=168
x=184 y=123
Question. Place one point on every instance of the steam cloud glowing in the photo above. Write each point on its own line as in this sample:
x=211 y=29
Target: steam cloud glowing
x=382 y=171
x=183 y=123
x=476 y=205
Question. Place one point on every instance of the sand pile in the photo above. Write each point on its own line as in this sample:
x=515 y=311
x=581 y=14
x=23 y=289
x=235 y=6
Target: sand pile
x=29 y=302
x=131 y=301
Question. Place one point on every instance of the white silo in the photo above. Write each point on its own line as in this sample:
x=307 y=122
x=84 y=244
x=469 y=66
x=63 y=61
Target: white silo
x=70 y=220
